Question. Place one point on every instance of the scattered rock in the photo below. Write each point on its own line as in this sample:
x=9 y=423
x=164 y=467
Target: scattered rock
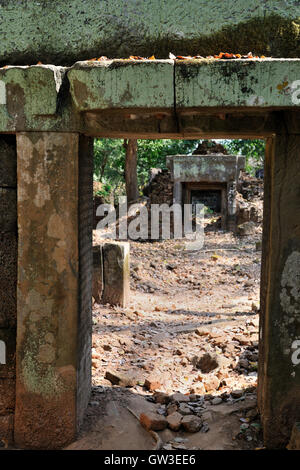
x=152 y=421
x=245 y=229
x=117 y=378
x=211 y=383
x=199 y=388
x=244 y=363
x=179 y=397
x=202 y=332
x=184 y=409
x=152 y=385
x=170 y=266
x=216 y=401
x=161 y=397
x=237 y=393
x=205 y=428
x=191 y=423
x=172 y=408
x=206 y=363
x=161 y=410
x=178 y=352
x=174 y=421
x=242 y=339
x=193 y=397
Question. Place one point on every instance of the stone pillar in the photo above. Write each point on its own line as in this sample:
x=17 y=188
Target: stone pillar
x=279 y=358
x=231 y=206
x=97 y=273
x=85 y=242
x=177 y=193
x=8 y=283
x=48 y=290
x=116 y=273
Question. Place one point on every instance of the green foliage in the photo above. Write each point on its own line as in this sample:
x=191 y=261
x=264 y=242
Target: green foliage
x=252 y=149
x=152 y=154
x=207 y=210
x=104 y=192
x=109 y=158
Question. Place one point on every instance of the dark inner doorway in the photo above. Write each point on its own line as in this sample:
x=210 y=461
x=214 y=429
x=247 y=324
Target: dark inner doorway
x=209 y=198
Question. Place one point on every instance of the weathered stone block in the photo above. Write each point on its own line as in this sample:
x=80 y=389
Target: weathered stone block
x=97 y=273
x=125 y=84
x=7 y=396
x=221 y=83
x=174 y=421
x=48 y=294
x=8 y=210
x=116 y=273
x=205 y=168
x=8 y=161
x=7 y=352
x=191 y=423
x=8 y=279
x=153 y=421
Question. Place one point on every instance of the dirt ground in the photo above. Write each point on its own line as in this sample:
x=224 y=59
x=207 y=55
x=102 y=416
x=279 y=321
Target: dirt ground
x=191 y=326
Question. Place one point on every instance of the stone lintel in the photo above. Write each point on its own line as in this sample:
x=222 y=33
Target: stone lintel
x=152 y=98
x=208 y=168
x=122 y=84
x=250 y=83
x=204 y=83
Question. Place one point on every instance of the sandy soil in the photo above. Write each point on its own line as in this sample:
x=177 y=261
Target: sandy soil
x=183 y=306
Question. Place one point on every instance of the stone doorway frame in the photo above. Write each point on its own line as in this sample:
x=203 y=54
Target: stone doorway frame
x=221 y=187
x=27 y=433
x=148 y=99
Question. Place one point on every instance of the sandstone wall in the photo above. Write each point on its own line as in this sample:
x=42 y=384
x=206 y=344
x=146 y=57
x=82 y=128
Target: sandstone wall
x=8 y=281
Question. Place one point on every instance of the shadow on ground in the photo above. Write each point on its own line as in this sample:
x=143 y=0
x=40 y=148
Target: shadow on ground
x=112 y=423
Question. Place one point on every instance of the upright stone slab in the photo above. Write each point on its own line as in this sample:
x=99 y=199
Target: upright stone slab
x=116 y=273
x=85 y=231
x=97 y=273
x=231 y=206
x=47 y=328
x=279 y=357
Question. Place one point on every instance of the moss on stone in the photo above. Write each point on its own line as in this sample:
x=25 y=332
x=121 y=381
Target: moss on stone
x=273 y=36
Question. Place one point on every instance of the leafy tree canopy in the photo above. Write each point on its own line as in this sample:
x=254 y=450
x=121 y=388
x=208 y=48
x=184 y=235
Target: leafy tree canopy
x=109 y=157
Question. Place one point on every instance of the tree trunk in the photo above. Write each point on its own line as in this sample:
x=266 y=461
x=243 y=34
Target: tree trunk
x=131 y=169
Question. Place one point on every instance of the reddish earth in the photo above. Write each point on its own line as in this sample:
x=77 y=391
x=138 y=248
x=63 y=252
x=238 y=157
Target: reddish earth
x=191 y=326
